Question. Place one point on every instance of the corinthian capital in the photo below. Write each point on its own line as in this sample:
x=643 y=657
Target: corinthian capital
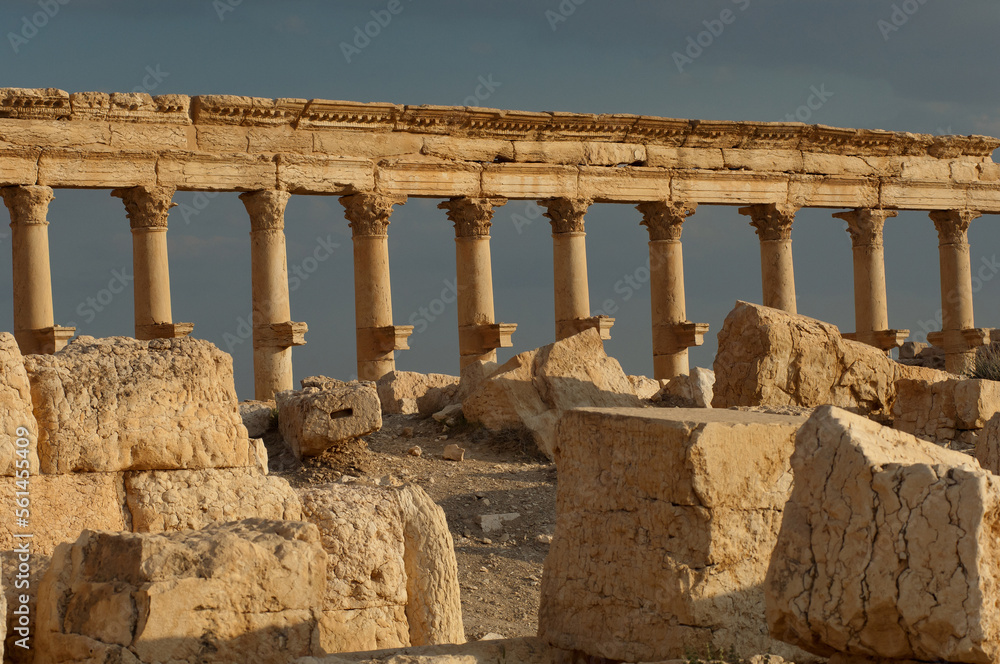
x=665 y=219
x=865 y=225
x=146 y=207
x=772 y=221
x=28 y=204
x=369 y=213
x=566 y=214
x=472 y=216
x=266 y=209
x=953 y=225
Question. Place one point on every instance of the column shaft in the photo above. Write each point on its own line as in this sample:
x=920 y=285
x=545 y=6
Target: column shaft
x=32 y=278
x=569 y=263
x=773 y=223
x=956 y=286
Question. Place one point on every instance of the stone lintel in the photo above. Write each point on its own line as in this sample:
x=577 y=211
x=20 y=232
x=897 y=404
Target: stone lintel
x=602 y=324
x=881 y=339
x=280 y=335
x=163 y=331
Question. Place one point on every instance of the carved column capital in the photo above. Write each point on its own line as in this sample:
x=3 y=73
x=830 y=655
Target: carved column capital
x=28 y=204
x=953 y=225
x=665 y=219
x=369 y=214
x=146 y=207
x=472 y=216
x=772 y=221
x=566 y=214
x=865 y=225
x=266 y=209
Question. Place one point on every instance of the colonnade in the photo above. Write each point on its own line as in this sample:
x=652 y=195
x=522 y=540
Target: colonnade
x=377 y=338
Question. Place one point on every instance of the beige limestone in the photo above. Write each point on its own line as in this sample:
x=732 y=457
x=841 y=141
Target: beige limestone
x=770 y=357
x=689 y=391
x=409 y=392
x=533 y=388
x=645 y=387
x=17 y=420
x=641 y=568
x=259 y=417
x=326 y=413
x=168 y=500
x=120 y=404
x=987 y=448
x=939 y=411
x=569 y=261
x=956 y=287
x=887 y=547
x=773 y=224
x=214 y=595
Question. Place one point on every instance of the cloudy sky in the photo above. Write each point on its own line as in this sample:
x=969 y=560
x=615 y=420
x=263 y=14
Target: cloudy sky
x=914 y=65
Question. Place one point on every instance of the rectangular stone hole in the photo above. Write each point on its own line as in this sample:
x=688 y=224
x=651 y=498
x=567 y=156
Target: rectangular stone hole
x=340 y=414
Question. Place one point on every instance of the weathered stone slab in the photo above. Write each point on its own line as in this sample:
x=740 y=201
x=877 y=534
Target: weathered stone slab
x=773 y=358
x=83 y=168
x=641 y=568
x=258 y=416
x=326 y=413
x=216 y=171
x=121 y=404
x=887 y=547
x=214 y=595
x=17 y=421
x=693 y=390
x=409 y=392
x=939 y=411
x=307 y=174
x=168 y=500
x=533 y=388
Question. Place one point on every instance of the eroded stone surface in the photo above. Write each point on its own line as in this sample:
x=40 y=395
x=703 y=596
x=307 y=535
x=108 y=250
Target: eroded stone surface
x=16 y=416
x=409 y=392
x=693 y=390
x=939 y=411
x=641 y=568
x=887 y=547
x=326 y=413
x=258 y=416
x=213 y=595
x=534 y=388
x=113 y=404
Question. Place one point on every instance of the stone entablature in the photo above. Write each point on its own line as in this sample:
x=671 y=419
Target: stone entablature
x=230 y=143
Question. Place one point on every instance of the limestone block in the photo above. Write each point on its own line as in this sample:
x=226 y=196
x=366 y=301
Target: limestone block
x=824 y=163
x=127 y=136
x=34 y=103
x=887 y=547
x=729 y=187
x=624 y=185
x=258 y=416
x=223 y=138
x=645 y=387
x=533 y=389
x=641 y=568
x=216 y=172
x=925 y=169
x=533 y=181
x=368 y=144
x=789 y=161
x=246 y=111
x=410 y=392
x=988 y=445
x=279 y=139
x=428 y=177
x=833 y=191
x=18 y=166
x=937 y=411
x=17 y=421
x=168 y=500
x=326 y=413
x=78 y=168
x=303 y=174
x=468 y=149
x=358 y=630
x=693 y=390
x=613 y=154
x=123 y=404
x=676 y=157
x=773 y=358
x=213 y=595
x=550 y=152
x=48 y=134
x=923 y=195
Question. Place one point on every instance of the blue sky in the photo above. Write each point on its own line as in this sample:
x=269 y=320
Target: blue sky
x=910 y=66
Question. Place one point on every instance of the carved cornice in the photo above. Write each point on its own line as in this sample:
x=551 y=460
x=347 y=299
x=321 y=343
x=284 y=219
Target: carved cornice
x=953 y=225
x=665 y=219
x=28 y=205
x=472 y=216
x=34 y=104
x=266 y=209
x=146 y=207
x=253 y=111
x=566 y=215
x=865 y=225
x=772 y=221
x=369 y=214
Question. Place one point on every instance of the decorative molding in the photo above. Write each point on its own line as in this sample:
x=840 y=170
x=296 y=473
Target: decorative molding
x=772 y=221
x=146 y=207
x=472 y=216
x=865 y=225
x=28 y=204
x=369 y=214
x=34 y=104
x=245 y=111
x=566 y=215
x=953 y=225
x=266 y=209
x=665 y=219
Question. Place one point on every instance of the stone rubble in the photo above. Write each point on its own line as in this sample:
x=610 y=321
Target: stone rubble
x=409 y=392
x=327 y=413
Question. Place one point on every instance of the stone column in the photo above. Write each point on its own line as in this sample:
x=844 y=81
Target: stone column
x=773 y=223
x=147 y=209
x=871 y=312
x=958 y=336
x=273 y=332
x=34 y=326
x=377 y=338
x=569 y=265
x=673 y=333
x=478 y=335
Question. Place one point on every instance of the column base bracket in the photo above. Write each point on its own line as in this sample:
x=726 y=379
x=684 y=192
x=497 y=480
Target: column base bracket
x=478 y=339
x=881 y=339
x=567 y=328
x=163 y=331
x=280 y=335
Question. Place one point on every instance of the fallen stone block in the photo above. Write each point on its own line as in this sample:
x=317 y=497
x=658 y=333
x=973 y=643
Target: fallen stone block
x=453 y=452
x=115 y=404
x=327 y=413
x=640 y=568
x=409 y=392
x=491 y=523
x=534 y=388
x=259 y=417
x=887 y=547
x=169 y=500
x=17 y=421
x=645 y=388
x=214 y=595
x=943 y=410
x=448 y=412
x=768 y=357
x=693 y=390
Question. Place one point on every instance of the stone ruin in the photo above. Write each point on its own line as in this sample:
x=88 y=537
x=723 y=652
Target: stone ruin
x=815 y=499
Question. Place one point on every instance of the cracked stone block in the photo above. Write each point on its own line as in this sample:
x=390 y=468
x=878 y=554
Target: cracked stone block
x=326 y=413
x=666 y=518
x=887 y=549
x=938 y=411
